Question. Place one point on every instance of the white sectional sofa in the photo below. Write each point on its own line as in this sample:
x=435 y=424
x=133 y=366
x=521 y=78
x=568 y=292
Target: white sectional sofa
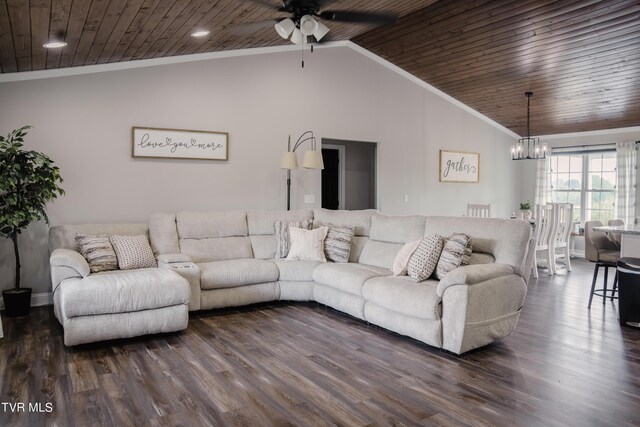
x=226 y=259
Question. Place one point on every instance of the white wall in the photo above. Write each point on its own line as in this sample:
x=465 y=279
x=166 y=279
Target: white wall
x=84 y=123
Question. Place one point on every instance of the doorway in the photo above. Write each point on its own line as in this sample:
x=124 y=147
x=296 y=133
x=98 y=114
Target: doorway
x=349 y=174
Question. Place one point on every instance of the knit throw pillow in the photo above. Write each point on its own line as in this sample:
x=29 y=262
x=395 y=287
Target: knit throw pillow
x=337 y=245
x=425 y=258
x=453 y=254
x=98 y=252
x=133 y=252
x=283 y=242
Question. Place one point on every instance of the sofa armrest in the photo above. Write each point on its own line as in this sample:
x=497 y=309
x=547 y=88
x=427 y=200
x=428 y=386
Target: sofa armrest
x=173 y=258
x=66 y=264
x=471 y=274
x=69 y=258
x=189 y=271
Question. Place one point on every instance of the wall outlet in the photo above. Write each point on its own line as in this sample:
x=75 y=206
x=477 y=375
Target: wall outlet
x=309 y=198
x=406 y=198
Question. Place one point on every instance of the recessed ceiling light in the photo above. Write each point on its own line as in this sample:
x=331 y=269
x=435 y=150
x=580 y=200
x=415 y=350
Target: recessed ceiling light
x=54 y=44
x=201 y=33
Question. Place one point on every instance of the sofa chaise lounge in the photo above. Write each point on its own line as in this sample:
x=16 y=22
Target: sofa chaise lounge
x=210 y=260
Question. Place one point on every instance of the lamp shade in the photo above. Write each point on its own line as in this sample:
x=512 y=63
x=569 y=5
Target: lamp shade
x=321 y=31
x=285 y=27
x=308 y=25
x=313 y=160
x=297 y=37
x=289 y=161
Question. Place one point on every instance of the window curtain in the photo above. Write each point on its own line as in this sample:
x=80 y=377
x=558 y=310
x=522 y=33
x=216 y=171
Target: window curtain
x=543 y=181
x=625 y=207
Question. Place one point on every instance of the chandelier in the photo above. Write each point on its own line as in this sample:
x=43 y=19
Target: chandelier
x=528 y=148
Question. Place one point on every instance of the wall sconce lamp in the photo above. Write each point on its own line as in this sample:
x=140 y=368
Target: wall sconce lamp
x=312 y=159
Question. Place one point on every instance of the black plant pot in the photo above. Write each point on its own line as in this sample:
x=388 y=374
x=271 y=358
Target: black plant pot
x=17 y=302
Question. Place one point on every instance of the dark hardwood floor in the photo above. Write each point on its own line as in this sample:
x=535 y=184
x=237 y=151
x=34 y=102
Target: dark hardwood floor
x=305 y=364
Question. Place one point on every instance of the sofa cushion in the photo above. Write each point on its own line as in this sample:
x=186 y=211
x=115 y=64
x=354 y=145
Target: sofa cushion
x=261 y=222
x=216 y=249
x=347 y=277
x=401 y=262
x=296 y=270
x=236 y=272
x=403 y=295
x=481 y=258
x=122 y=292
x=396 y=229
x=361 y=219
x=202 y=225
x=505 y=239
x=163 y=234
x=380 y=254
x=263 y=246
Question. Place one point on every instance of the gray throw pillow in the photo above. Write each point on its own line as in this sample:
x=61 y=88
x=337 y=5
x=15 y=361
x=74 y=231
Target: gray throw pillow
x=283 y=242
x=133 y=252
x=425 y=258
x=98 y=252
x=337 y=244
x=453 y=254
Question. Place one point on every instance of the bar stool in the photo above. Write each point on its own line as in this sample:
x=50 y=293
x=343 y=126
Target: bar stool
x=600 y=250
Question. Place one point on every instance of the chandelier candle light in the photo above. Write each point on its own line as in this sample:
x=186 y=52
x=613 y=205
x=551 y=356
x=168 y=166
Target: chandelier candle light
x=528 y=148
x=312 y=159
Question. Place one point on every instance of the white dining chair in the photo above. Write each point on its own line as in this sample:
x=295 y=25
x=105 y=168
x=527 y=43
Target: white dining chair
x=478 y=211
x=545 y=229
x=564 y=225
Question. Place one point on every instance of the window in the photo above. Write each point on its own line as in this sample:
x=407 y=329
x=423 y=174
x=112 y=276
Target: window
x=588 y=181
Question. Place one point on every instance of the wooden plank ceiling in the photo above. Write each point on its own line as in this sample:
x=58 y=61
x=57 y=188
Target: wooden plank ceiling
x=581 y=59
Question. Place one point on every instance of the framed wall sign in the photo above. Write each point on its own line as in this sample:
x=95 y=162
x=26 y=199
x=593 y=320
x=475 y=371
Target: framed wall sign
x=459 y=166
x=180 y=144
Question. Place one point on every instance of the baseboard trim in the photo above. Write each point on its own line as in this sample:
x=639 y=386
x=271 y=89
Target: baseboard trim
x=37 y=300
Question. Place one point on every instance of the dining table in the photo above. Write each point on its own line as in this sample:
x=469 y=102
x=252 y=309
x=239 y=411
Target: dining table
x=630 y=242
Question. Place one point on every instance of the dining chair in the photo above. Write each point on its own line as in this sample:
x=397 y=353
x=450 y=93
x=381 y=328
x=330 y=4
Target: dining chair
x=616 y=238
x=544 y=231
x=564 y=226
x=601 y=251
x=479 y=211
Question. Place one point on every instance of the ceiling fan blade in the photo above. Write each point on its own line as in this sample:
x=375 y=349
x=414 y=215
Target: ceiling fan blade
x=354 y=16
x=250 y=28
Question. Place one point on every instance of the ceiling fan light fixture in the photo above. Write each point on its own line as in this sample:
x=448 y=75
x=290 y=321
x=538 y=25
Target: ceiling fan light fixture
x=297 y=37
x=308 y=25
x=200 y=33
x=285 y=27
x=321 y=31
x=54 y=44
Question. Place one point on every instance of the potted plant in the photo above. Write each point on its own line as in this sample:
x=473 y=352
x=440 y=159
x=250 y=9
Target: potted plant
x=28 y=180
x=525 y=210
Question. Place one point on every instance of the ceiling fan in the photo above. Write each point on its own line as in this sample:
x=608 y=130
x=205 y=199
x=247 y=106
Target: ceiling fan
x=304 y=21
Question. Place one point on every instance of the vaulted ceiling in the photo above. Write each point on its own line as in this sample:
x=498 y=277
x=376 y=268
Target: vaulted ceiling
x=581 y=59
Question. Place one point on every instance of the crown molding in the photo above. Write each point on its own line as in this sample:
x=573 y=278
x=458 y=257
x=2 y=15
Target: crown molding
x=153 y=62
x=591 y=133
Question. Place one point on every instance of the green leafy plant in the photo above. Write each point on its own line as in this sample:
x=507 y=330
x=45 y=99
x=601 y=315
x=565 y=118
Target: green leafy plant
x=28 y=181
x=525 y=206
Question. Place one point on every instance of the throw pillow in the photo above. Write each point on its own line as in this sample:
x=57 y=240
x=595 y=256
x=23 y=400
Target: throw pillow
x=133 y=252
x=425 y=258
x=337 y=245
x=401 y=261
x=98 y=252
x=307 y=244
x=281 y=229
x=452 y=254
